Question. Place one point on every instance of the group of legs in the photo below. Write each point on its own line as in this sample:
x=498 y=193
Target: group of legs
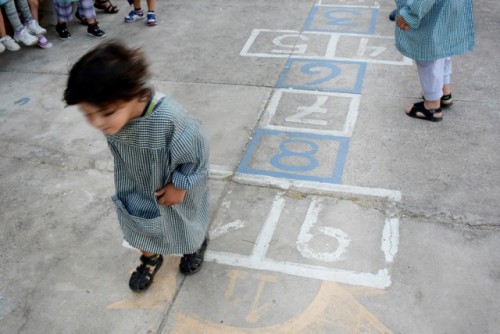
x=27 y=31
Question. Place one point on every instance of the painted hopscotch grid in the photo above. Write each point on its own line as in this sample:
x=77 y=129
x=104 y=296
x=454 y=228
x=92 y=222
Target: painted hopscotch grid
x=376 y=49
x=320 y=113
x=323 y=75
x=293 y=155
x=345 y=19
x=259 y=259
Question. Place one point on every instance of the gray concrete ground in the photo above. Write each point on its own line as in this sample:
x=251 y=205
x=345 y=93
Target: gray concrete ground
x=333 y=212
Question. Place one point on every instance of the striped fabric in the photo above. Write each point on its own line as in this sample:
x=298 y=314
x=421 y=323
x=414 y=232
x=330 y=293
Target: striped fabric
x=64 y=9
x=438 y=28
x=166 y=145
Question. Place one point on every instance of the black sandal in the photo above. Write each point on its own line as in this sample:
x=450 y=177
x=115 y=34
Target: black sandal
x=109 y=9
x=142 y=277
x=419 y=111
x=191 y=263
x=446 y=101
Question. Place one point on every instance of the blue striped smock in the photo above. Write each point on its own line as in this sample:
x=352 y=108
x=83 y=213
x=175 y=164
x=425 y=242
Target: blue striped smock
x=438 y=28
x=166 y=145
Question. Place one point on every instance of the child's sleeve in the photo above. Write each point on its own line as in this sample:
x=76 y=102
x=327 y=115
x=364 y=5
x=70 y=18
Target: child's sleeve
x=189 y=157
x=415 y=10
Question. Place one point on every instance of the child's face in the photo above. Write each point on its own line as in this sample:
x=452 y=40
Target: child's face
x=112 y=118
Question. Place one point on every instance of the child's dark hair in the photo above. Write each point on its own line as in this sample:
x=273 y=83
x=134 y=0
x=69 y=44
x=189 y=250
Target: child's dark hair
x=109 y=73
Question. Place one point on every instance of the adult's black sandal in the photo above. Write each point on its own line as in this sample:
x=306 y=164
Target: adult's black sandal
x=143 y=276
x=419 y=111
x=191 y=263
x=106 y=6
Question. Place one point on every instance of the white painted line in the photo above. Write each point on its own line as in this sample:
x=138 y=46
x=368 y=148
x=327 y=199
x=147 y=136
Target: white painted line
x=267 y=231
x=350 y=6
x=312 y=187
x=380 y=280
x=390 y=239
x=220 y=172
x=332 y=45
x=352 y=116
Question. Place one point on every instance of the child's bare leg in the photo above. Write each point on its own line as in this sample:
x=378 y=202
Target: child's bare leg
x=34 y=7
x=3 y=31
x=151 y=5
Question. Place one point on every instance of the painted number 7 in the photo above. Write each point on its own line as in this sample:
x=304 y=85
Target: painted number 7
x=319 y=68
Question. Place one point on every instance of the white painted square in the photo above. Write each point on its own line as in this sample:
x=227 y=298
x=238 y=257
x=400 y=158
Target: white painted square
x=285 y=43
x=314 y=112
x=311 y=236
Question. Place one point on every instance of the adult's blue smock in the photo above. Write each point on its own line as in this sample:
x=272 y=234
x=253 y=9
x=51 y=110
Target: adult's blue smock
x=438 y=28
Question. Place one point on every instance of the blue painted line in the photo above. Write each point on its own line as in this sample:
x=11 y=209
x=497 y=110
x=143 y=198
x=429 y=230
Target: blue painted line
x=22 y=101
x=315 y=84
x=345 y=25
x=293 y=172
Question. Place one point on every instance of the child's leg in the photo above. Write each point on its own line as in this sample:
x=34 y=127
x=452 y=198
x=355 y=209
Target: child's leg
x=21 y=34
x=143 y=276
x=86 y=10
x=151 y=5
x=151 y=16
x=34 y=7
x=64 y=13
x=431 y=75
x=12 y=16
x=3 y=31
x=24 y=9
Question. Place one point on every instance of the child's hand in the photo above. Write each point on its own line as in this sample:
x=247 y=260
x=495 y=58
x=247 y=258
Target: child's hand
x=170 y=195
x=402 y=23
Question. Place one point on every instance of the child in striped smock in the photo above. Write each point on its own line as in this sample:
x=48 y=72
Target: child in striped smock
x=430 y=32
x=160 y=158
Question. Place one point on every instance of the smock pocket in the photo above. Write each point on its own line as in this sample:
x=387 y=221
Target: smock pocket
x=138 y=228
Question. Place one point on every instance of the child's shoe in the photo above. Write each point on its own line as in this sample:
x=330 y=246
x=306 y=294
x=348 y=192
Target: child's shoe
x=94 y=31
x=9 y=43
x=151 y=19
x=62 y=31
x=2 y=48
x=35 y=28
x=143 y=275
x=191 y=263
x=43 y=42
x=134 y=16
x=25 y=37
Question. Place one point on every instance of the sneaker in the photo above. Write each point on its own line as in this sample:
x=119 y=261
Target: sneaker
x=134 y=16
x=35 y=28
x=151 y=19
x=2 y=48
x=62 y=31
x=9 y=43
x=43 y=42
x=94 y=31
x=25 y=37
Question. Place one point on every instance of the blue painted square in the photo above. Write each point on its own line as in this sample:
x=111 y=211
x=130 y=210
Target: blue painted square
x=323 y=75
x=341 y=19
x=294 y=155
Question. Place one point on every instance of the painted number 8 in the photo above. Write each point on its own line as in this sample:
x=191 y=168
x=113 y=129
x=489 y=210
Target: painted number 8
x=286 y=152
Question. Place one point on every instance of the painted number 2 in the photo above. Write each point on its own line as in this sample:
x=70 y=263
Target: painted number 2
x=318 y=68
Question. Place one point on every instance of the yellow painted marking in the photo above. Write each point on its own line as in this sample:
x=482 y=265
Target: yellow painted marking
x=234 y=276
x=334 y=309
x=258 y=310
x=158 y=295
